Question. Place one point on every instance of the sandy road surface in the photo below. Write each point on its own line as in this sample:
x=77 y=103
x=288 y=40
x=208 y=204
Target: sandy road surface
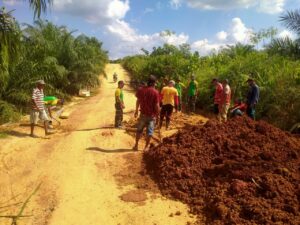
x=89 y=174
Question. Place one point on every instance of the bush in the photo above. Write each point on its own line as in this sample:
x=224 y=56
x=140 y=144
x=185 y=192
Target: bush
x=8 y=112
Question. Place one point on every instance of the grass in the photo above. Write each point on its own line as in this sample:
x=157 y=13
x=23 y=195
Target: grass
x=3 y=135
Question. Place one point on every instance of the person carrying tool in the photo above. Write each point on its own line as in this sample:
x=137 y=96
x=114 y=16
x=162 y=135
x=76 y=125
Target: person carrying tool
x=38 y=108
x=148 y=104
x=179 y=86
x=119 y=104
x=169 y=100
x=218 y=95
x=252 y=98
x=192 y=94
x=225 y=101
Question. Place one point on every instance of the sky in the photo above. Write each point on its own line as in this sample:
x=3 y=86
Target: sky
x=126 y=26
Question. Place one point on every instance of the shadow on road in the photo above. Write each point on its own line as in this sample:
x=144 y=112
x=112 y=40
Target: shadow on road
x=119 y=150
x=16 y=133
x=96 y=128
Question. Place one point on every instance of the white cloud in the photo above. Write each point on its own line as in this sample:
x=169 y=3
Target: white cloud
x=286 y=33
x=175 y=3
x=95 y=11
x=271 y=6
x=266 y=6
x=204 y=47
x=130 y=42
x=237 y=32
x=11 y=2
x=148 y=10
x=222 y=35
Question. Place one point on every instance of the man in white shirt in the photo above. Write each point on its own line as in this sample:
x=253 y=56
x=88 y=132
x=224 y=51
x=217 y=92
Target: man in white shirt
x=38 y=108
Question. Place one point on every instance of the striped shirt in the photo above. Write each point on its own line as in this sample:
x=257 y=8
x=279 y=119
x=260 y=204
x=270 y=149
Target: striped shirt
x=38 y=98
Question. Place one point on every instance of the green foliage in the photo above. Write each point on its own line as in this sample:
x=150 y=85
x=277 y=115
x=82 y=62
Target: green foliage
x=286 y=46
x=277 y=76
x=52 y=53
x=8 y=112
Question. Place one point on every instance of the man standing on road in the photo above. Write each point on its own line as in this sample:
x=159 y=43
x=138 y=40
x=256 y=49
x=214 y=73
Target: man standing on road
x=148 y=103
x=218 y=95
x=192 y=94
x=38 y=108
x=169 y=100
x=119 y=104
x=225 y=102
x=252 y=98
x=179 y=86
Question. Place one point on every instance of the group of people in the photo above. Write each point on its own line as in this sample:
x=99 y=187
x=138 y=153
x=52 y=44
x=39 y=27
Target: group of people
x=153 y=106
x=222 y=99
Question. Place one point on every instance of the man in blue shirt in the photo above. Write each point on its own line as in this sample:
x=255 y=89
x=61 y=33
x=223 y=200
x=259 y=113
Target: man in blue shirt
x=252 y=98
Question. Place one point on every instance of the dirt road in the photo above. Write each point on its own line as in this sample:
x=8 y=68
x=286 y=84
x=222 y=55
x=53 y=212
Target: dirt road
x=88 y=171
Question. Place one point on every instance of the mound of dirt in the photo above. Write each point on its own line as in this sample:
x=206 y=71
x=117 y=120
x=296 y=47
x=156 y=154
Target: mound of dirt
x=241 y=172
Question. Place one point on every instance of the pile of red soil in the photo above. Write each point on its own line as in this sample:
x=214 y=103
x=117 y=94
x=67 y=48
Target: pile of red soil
x=241 y=172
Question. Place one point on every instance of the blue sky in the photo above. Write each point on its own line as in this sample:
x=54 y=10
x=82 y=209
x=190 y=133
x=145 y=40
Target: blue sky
x=126 y=26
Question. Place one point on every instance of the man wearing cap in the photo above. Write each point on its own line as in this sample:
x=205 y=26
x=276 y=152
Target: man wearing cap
x=252 y=98
x=192 y=94
x=169 y=101
x=148 y=102
x=179 y=86
x=224 y=102
x=38 y=108
x=119 y=104
x=218 y=94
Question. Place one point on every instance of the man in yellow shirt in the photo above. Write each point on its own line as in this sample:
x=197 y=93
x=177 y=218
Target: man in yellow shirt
x=119 y=104
x=169 y=101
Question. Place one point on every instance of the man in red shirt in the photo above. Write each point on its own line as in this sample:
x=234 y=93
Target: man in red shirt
x=148 y=103
x=239 y=108
x=218 y=95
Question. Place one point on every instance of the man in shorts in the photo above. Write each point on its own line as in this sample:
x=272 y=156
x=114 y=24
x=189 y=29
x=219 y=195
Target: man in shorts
x=148 y=103
x=38 y=110
x=169 y=101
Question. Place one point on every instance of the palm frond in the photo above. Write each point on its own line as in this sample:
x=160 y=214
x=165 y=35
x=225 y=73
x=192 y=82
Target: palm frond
x=39 y=6
x=291 y=19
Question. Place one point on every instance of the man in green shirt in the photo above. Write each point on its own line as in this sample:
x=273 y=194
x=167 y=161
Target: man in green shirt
x=179 y=86
x=119 y=105
x=192 y=94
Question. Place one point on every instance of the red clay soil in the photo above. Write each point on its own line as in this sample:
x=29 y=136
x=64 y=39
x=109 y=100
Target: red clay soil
x=241 y=172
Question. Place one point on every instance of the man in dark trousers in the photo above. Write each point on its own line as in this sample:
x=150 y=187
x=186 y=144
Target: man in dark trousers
x=192 y=94
x=252 y=98
x=148 y=103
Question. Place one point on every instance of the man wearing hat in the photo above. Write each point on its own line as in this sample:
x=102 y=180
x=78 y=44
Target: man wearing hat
x=192 y=93
x=252 y=98
x=169 y=101
x=38 y=108
x=119 y=104
x=225 y=101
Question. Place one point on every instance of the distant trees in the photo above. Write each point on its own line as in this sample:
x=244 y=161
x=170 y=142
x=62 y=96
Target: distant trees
x=278 y=76
x=286 y=46
x=49 y=52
